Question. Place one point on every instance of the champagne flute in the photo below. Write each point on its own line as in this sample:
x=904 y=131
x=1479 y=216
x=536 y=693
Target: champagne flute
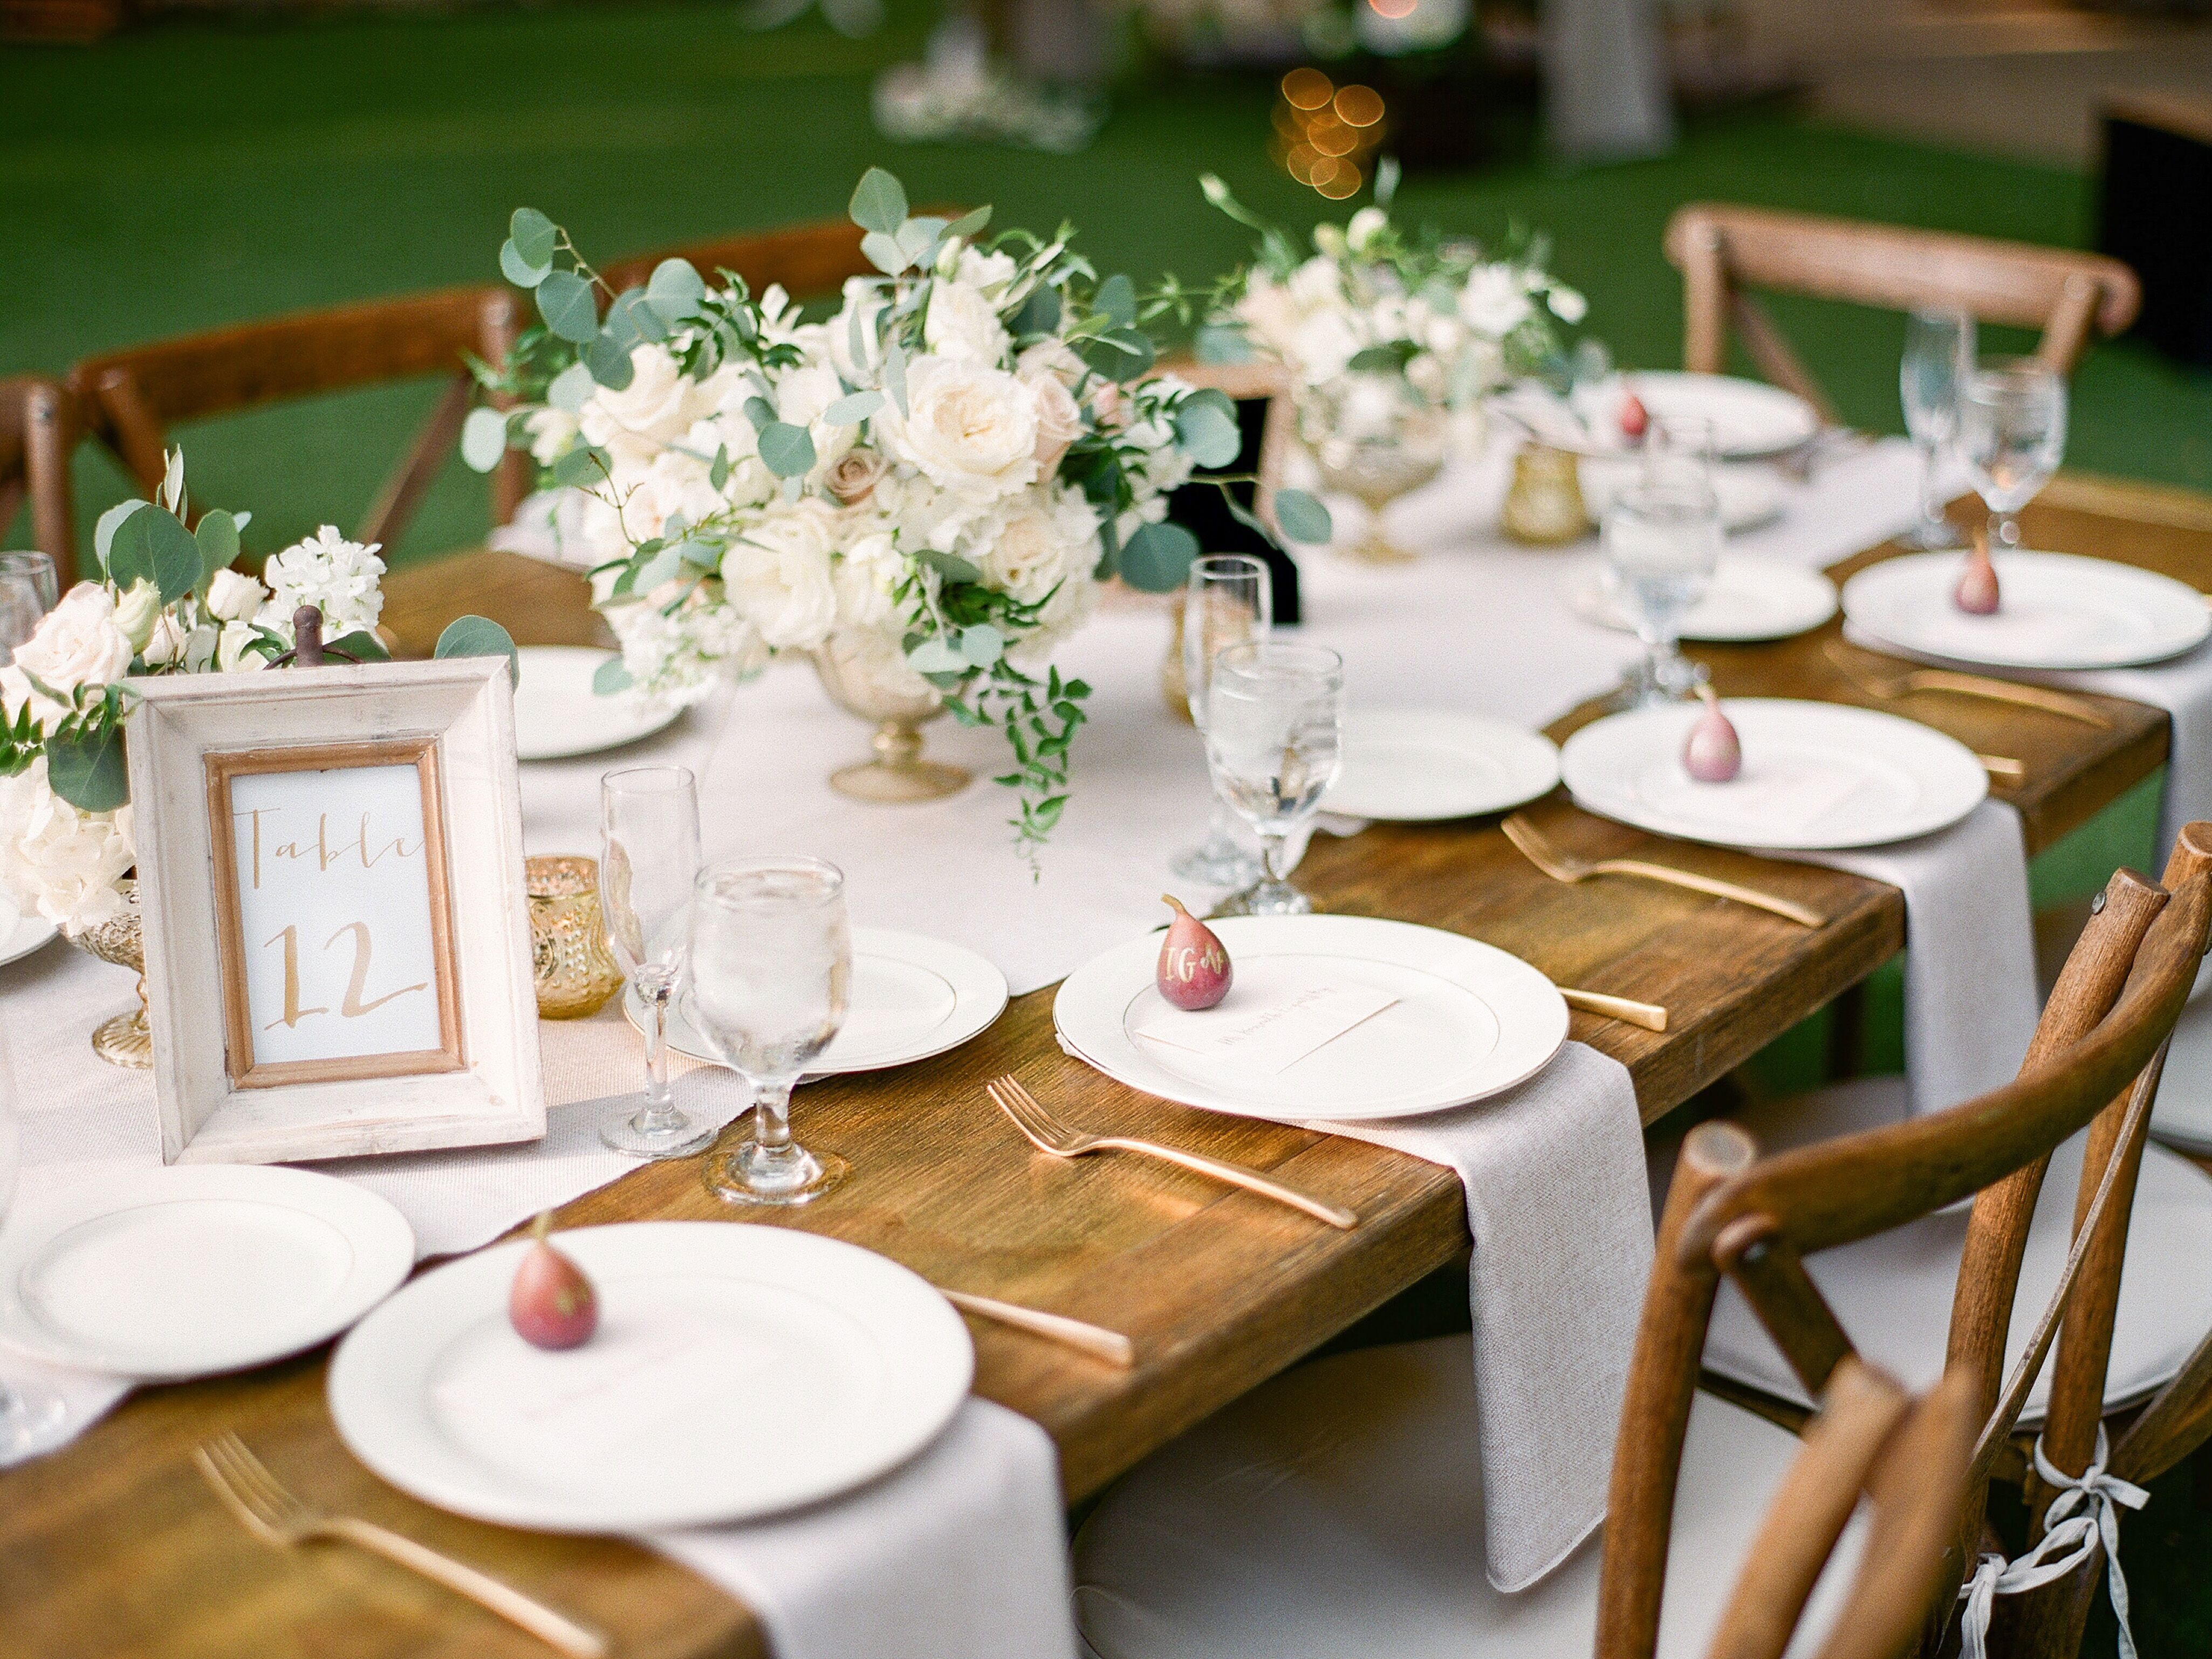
x=771 y=970
x=1663 y=540
x=649 y=859
x=1273 y=742
x=2011 y=429
x=1230 y=599
x=1939 y=347
x=31 y=1420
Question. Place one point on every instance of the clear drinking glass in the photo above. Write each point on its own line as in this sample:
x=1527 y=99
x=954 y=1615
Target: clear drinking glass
x=28 y=591
x=1939 y=350
x=771 y=970
x=1273 y=736
x=1230 y=600
x=31 y=1420
x=649 y=859
x=1662 y=539
x=36 y=568
x=2012 y=430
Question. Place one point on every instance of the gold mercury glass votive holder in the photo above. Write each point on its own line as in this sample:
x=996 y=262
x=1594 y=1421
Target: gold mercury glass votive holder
x=575 y=972
x=1544 y=507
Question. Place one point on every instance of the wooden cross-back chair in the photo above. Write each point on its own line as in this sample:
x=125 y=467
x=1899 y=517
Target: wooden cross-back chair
x=1732 y=1214
x=37 y=432
x=129 y=398
x=1724 y=252
x=808 y=261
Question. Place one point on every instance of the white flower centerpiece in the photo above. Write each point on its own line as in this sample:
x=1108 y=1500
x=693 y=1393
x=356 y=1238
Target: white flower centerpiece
x=924 y=492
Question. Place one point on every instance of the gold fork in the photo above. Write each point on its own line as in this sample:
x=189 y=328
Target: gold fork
x=1889 y=687
x=1048 y=1135
x=1565 y=867
x=271 y=1511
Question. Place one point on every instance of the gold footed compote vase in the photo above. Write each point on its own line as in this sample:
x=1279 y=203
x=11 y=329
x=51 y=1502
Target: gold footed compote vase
x=126 y=1039
x=1374 y=436
x=898 y=772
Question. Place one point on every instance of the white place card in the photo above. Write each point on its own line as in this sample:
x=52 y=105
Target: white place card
x=1277 y=1012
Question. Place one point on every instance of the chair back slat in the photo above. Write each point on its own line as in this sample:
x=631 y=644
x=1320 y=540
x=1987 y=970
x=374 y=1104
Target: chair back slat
x=37 y=429
x=1766 y=1267
x=807 y=261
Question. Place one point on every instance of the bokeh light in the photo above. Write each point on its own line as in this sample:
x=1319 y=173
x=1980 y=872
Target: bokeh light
x=1323 y=134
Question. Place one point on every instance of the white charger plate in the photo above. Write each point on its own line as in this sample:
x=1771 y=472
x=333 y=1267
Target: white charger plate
x=1815 y=775
x=1750 y=598
x=19 y=934
x=2056 y=611
x=1470 y=1020
x=1416 y=765
x=912 y=997
x=738 y=1370
x=161 y=1274
x=1748 y=496
x=557 y=715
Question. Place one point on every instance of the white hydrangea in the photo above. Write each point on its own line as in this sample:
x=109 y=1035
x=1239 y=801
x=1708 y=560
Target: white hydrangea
x=59 y=861
x=336 y=576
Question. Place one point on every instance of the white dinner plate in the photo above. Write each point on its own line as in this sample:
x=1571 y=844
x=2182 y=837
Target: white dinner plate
x=1748 y=496
x=911 y=997
x=2055 y=610
x=557 y=715
x=161 y=1275
x=19 y=934
x=1413 y=765
x=1750 y=598
x=1752 y=421
x=1815 y=775
x=2183 y=1117
x=1469 y=1020
x=738 y=1370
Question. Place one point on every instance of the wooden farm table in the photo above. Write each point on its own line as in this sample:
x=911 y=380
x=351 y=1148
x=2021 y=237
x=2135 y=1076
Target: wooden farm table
x=114 y=1545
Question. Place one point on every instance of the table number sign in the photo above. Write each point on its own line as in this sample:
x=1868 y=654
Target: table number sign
x=334 y=963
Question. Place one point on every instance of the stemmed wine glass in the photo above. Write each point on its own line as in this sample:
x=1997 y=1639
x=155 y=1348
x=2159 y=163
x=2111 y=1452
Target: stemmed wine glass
x=1273 y=742
x=1662 y=541
x=1231 y=600
x=649 y=859
x=30 y=1421
x=2012 y=430
x=1939 y=350
x=771 y=970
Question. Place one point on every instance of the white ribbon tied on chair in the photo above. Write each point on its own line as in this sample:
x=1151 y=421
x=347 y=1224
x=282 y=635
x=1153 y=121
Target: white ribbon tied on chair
x=2069 y=1538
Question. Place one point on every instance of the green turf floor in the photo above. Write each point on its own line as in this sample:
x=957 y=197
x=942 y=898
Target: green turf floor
x=197 y=174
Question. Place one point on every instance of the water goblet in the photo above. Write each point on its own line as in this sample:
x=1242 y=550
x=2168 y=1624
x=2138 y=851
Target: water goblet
x=28 y=590
x=1230 y=600
x=31 y=1419
x=648 y=860
x=2012 y=430
x=1663 y=540
x=1273 y=742
x=1373 y=434
x=1939 y=350
x=771 y=968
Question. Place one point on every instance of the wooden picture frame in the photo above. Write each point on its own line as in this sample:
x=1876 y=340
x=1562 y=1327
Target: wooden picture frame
x=459 y=1065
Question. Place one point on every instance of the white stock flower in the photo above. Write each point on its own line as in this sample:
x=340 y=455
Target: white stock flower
x=78 y=643
x=680 y=659
x=655 y=409
x=866 y=574
x=234 y=596
x=778 y=575
x=165 y=646
x=969 y=430
x=551 y=430
x=1365 y=225
x=57 y=860
x=336 y=576
x=675 y=482
x=964 y=323
x=1494 y=302
x=1566 y=304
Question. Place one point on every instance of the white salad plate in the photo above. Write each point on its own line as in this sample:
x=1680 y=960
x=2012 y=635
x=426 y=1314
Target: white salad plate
x=738 y=1371
x=162 y=1275
x=557 y=715
x=1747 y=496
x=1413 y=765
x=2055 y=610
x=911 y=997
x=1469 y=1020
x=2183 y=1115
x=1750 y=598
x=1815 y=775
x=19 y=934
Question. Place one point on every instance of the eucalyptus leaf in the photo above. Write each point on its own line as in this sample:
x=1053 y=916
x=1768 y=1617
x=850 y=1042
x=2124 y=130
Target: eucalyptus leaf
x=760 y=413
x=665 y=565
x=87 y=772
x=155 y=547
x=611 y=677
x=1120 y=353
x=564 y=301
x=1302 y=518
x=718 y=470
x=969 y=222
x=534 y=236
x=480 y=636
x=918 y=237
x=1208 y=436
x=1040 y=313
x=518 y=270
x=580 y=468
x=361 y=645
x=103 y=533
x=637 y=315
x=217 y=536
x=936 y=656
x=1219 y=344
x=878 y=203
x=1381 y=359
x=608 y=359
x=982 y=644
x=786 y=450
x=885 y=253
x=702 y=555
x=675 y=289
x=484 y=442
x=1156 y=559
x=570 y=387
x=895 y=374
x=950 y=566
x=854 y=409
x=1117 y=298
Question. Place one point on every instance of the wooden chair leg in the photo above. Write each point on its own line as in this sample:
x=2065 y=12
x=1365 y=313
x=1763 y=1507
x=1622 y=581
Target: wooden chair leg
x=1847 y=1023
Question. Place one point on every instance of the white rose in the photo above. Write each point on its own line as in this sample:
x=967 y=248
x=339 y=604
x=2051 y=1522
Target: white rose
x=991 y=272
x=778 y=574
x=1493 y=303
x=1269 y=313
x=962 y=323
x=969 y=430
x=57 y=860
x=1365 y=226
x=676 y=482
x=551 y=430
x=78 y=643
x=1041 y=543
x=854 y=325
x=1323 y=345
x=231 y=656
x=866 y=577
x=138 y=611
x=1318 y=284
x=165 y=646
x=654 y=410
x=234 y=596
x=1058 y=421
x=1053 y=357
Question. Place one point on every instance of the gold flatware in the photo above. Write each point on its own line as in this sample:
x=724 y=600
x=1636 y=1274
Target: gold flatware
x=1650 y=1015
x=1096 y=1341
x=1048 y=1135
x=1888 y=687
x=272 y=1513
x=2004 y=768
x=1565 y=867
